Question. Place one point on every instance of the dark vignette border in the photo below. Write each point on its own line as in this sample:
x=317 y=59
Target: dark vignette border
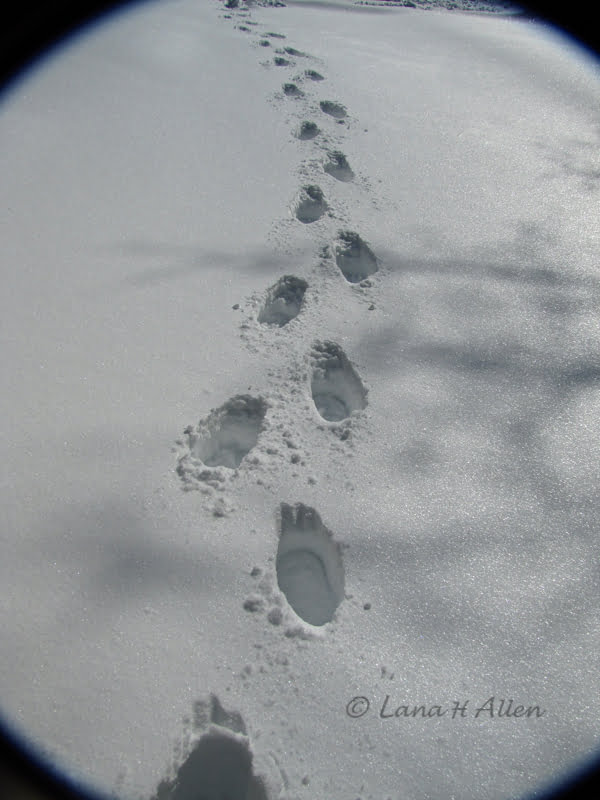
x=28 y=30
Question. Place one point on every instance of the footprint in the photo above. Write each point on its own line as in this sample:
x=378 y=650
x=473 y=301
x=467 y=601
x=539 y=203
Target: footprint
x=336 y=110
x=219 y=766
x=309 y=565
x=265 y=43
x=279 y=61
x=311 y=204
x=336 y=389
x=284 y=301
x=307 y=130
x=272 y=35
x=229 y=432
x=313 y=75
x=291 y=51
x=291 y=90
x=338 y=166
x=354 y=257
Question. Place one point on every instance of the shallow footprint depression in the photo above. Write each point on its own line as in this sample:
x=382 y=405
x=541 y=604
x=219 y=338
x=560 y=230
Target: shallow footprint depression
x=309 y=565
x=332 y=108
x=337 y=166
x=354 y=257
x=336 y=389
x=311 y=204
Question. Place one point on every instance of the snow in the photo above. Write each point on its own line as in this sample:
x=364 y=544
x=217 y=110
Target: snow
x=300 y=403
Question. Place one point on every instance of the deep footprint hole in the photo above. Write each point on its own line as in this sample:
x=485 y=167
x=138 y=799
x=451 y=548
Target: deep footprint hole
x=219 y=766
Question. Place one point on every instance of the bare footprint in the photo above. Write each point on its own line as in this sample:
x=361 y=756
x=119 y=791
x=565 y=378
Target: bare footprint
x=337 y=166
x=228 y=434
x=309 y=565
x=307 y=130
x=334 y=109
x=336 y=389
x=311 y=204
x=313 y=75
x=354 y=257
x=284 y=301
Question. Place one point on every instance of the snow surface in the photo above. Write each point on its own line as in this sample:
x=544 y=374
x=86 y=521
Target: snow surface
x=275 y=441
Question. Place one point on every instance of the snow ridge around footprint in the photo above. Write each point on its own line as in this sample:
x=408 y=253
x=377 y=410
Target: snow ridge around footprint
x=284 y=301
x=336 y=389
x=228 y=434
x=310 y=572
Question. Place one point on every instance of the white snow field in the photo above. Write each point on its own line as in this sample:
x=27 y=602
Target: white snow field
x=301 y=403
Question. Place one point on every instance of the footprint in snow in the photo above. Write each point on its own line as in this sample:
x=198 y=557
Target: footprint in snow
x=337 y=166
x=218 y=766
x=284 y=301
x=336 y=389
x=272 y=35
x=309 y=566
x=211 y=712
x=313 y=75
x=307 y=130
x=336 y=110
x=228 y=434
x=279 y=61
x=291 y=90
x=354 y=257
x=311 y=204
x=265 y=43
x=291 y=51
